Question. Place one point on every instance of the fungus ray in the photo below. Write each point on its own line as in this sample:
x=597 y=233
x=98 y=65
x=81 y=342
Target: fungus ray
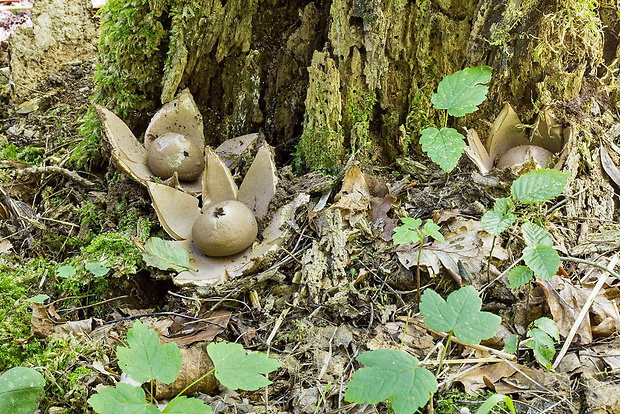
x=259 y=185
x=177 y=211
x=218 y=183
x=503 y=136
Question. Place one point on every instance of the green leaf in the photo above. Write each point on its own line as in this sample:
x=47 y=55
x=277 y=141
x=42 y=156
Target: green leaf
x=65 y=272
x=535 y=235
x=40 y=298
x=159 y=254
x=542 y=345
x=503 y=205
x=493 y=400
x=97 y=269
x=431 y=229
x=394 y=376
x=496 y=223
x=548 y=326
x=510 y=347
x=237 y=370
x=20 y=389
x=444 y=146
x=462 y=92
x=538 y=186
x=146 y=358
x=184 y=405
x=519 y=276
x=543 y=260
x=460 y=313
x=125 y=399
x=407 y=232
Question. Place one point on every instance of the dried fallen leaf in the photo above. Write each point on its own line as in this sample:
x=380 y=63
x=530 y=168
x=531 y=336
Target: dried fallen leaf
x=467 y=243
x=195 y=364
x=42 y=325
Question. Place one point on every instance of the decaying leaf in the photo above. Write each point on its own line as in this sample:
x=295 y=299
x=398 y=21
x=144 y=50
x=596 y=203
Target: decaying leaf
x=353 y=200
x=195 y=364
x=218 y=183
x=565 y=302
x=183 y=331
x=467 y=242
x=181 y=115
x=42 y=325
x=259 y=185
x=177 y=211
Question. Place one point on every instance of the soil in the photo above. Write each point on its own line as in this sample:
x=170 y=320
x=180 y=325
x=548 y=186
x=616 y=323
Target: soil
x=316 y=319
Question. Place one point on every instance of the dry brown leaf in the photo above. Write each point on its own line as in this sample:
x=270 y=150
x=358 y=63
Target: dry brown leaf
x=73 y=329
x=259 y=184
x=565 y=302
x=195 y=364
x=230 y=150
x=42 y=325
x=503 y=135
x=181 y=115
x=482 y=377
x=177 y=211
x=183 y=331
x=353 y=200
x=467 y=243
x=218 y=183
x=5 y=246
x=379 y=208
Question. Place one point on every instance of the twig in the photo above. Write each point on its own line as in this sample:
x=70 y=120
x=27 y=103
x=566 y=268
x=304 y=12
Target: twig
x=586 y=308
x=93 y=304
x=128 y=318
x=499 y=354
x=58 y=170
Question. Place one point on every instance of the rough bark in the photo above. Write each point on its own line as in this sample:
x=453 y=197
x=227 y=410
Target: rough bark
x=333 y=78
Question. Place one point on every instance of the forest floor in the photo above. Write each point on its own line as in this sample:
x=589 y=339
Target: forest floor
x=314 y=317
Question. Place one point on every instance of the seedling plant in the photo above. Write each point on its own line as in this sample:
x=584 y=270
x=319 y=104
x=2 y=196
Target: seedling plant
x=411 y=231
x=458 y=94
x=147 y=360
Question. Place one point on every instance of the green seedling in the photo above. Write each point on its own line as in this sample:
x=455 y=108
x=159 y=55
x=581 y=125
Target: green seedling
x=459 y=94
x=541 y=340
x=493 y=400
x=147 y=360
x=65 y=272
x=394 y=376
x=540 y=257
x=410 y=232
x=97 y=269
x=20 y=390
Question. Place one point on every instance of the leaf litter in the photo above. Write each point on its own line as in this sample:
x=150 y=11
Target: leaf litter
x=349 y=287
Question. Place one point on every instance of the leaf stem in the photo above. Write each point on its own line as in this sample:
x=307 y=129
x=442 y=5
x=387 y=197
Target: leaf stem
x=417 y=269
x=402 y=340
x=192 y=384
x=594 y=264
x=152 y=383
x=316 y=410
x=443 y=353
x=489 y=260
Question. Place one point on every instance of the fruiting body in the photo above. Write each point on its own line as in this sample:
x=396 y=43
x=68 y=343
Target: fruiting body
x=522 y=153
x=172 y=152
x=225 y=229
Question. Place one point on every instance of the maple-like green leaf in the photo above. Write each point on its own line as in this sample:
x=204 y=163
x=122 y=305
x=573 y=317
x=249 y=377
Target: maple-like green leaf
x=97 y=269
x=460 y=313
x=20 y=389
x=462 y=92
x=407 y=233
x=432 y=229
x=237 y=370
x=146 y=358
x=444 y=146
x=543 y=260
x=548 y=326
x=159 y=254
x=519 y=276
x=496 y=223
x=535 y=235
x=394 y=376
x=124 y=398
x=538 y=186
x=184 y=405
x=542 y=345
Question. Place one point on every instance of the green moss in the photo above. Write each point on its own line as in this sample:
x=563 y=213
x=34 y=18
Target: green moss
x=320 y=150
x=358 y=116
x=87 y=153
x=27 y=154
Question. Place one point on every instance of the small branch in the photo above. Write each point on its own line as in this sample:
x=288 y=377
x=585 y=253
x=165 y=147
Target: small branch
x=57 y=170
